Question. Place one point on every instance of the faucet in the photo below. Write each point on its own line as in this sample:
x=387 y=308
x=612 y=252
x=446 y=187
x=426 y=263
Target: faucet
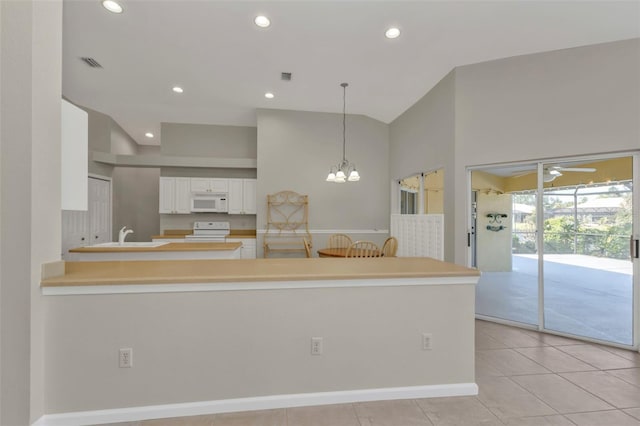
x=123 y=234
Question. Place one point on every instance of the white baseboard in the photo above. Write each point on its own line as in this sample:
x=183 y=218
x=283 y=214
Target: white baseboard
x=116 y=415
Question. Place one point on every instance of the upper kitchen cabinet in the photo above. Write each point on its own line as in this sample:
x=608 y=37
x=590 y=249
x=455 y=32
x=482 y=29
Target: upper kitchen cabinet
x=209 y=185
x=175 y=195
x=242 y=196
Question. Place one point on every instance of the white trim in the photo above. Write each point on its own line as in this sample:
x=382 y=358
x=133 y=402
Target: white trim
x=254 y=403
x=256 y=285
x=326 y=231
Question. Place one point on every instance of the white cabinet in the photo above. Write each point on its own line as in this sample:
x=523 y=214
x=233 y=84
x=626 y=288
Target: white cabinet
x=242 y=196
x=209 y=185
x=248 y=250
x=175 y=195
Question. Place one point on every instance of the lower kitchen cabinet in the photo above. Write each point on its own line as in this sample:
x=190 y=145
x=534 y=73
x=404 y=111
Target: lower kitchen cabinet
x=248 y=250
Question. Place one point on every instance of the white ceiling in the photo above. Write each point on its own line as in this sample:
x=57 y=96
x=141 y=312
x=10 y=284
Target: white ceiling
x=225 y=63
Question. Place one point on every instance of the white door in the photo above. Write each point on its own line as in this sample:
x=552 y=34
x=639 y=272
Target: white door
x=99 y=211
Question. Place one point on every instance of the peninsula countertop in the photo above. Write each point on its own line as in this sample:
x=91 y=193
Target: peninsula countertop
x=252 y=270
x=162 y=248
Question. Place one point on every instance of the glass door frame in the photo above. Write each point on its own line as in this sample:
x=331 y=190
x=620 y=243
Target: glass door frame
x=635 y=156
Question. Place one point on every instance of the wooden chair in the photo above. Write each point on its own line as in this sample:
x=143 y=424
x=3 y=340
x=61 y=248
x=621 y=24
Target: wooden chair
x=339 y=241
x=363 y=249
x=307 y=247
x=390 y=247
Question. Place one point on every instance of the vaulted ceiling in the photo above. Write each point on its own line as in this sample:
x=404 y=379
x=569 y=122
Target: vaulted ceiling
x=225 y=63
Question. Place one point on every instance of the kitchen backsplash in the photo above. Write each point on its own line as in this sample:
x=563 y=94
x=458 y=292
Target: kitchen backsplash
x=185 y=221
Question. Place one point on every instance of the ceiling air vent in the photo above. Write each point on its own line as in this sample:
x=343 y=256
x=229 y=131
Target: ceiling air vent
x=286 y=76
x=91 y=62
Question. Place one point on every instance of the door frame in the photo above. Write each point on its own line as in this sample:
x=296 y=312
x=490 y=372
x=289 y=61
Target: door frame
x=635 y=156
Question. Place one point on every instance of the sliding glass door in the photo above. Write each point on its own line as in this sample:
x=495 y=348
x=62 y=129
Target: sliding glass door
x=556 y=243
x=588 y=270
x=503 y=242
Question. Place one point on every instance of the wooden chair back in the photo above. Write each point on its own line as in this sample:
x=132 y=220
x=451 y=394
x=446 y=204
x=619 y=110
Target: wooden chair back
x=307 y=247
x=363 y=249
x=339 y=241
x=390 y=247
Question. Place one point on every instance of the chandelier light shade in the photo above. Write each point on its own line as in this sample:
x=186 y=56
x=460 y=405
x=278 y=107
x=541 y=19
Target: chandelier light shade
x=344 y=171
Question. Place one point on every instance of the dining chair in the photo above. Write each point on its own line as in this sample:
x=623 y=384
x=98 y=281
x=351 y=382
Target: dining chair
x=307 y=247
x=390 y=247
x=363 y=249
x=339 y=241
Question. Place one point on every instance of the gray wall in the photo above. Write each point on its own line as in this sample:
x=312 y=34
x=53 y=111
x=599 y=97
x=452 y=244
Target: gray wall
x=202 y=140
x=30 y=87
x=423 y=139
x=99 y=140
x=295 y=152
x=205 y=346
x=569 y=102
x=135 y=190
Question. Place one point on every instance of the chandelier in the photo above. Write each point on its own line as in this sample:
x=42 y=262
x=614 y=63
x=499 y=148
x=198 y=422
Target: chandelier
x=344 y=170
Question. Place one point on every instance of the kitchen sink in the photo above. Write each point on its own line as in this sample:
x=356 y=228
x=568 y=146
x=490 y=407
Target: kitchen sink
x=132 y=244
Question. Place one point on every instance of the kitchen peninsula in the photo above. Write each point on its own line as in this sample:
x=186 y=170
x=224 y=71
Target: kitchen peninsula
x=237 y=334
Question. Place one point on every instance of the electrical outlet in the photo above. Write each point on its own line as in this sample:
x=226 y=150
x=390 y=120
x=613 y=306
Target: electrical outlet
x=126 y=357
x=427 y=341
x=316 y=346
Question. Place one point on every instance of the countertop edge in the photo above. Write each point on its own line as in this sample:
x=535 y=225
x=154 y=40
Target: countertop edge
x=244 y=285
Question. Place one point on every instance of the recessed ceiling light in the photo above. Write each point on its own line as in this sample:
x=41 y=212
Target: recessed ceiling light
x=392 y=32
x=262 y=21
x=149 y=134
x=269 y=95
x=178 y=89
x=112 y=6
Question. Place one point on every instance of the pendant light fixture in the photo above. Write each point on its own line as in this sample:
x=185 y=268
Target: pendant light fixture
x=343 y=171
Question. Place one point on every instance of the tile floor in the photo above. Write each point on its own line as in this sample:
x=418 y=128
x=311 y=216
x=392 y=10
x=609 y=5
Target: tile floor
x=525 y=379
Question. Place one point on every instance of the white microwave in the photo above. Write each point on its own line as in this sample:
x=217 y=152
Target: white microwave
x=209 y=203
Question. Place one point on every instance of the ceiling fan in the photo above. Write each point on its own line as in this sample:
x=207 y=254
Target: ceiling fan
x=550 y=173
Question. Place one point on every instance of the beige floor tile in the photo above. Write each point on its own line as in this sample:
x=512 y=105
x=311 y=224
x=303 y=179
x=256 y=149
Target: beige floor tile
x=598 y=357
x=539 y=421
x=485 y=368
x=559 y=393
x=510 y=362
x=552 y=339
x=603 y=418
x=455 y=411
x=180 y=421
x=554 y=359
x=624 y=353
x=484 y=341
x=404 y=412
x=512 y=337
x=506 y=399
x=615 y=391
x=122 y=424
x=252 y=418
x=323 y=415
x=629 y=375
x=635 y=412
